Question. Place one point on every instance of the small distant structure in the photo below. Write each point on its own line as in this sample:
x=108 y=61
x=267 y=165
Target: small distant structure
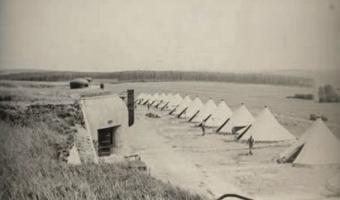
x=327 y=93
x=79 y=83
x=89 y=79
x=302 y=96
x=314 y=117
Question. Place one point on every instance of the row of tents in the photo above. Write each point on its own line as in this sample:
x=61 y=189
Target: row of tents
x=215 y=116
x=318 y=145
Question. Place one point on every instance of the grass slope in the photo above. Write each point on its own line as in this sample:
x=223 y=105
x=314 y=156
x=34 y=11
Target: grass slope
x=30 y=138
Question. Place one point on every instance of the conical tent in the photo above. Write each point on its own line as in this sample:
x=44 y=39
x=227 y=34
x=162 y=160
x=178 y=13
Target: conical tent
x=206 y=111
x=240 y=119
x=220 y=115
x=267 y=129
x=147 y=99
x=159 y=100
x=139 y=98
x=183 y=105
x=166 y=99
x=162 y=96
x=174 y=102
x=333 y=184
x=193 y=108
x=317 y=146
x=144 y=97
x=155 y=99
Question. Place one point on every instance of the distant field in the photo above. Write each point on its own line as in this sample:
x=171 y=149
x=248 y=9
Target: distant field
x=157 y=76
x=293 y=113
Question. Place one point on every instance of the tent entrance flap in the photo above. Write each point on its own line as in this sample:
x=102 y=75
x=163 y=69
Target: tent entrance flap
x=241 y=134
x=294 y=155
x=106 y=140
x=236 y=128
x=224 y=123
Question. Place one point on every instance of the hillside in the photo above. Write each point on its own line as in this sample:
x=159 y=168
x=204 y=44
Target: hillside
x=33 y=140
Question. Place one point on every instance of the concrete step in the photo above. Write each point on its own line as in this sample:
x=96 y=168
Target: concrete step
x=85 y=146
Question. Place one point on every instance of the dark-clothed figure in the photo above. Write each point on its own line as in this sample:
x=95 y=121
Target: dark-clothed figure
x=203 y=127
x=251 y=144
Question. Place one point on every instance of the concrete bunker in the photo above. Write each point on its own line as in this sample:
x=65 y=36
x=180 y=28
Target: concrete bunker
x=79 y=83
x=106 y=119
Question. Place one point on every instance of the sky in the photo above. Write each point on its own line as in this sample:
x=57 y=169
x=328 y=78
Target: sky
x=200 y=35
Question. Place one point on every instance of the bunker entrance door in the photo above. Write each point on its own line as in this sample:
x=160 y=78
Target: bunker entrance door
x=106 y=140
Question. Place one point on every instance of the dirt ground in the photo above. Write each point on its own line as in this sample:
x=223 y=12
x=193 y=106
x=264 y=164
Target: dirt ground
x=175 y=151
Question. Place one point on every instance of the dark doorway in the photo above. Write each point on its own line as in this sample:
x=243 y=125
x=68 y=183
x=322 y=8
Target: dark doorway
x=106 y=140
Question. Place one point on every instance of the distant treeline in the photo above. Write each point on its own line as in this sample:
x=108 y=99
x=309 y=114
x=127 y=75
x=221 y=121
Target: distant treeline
x=146 y=76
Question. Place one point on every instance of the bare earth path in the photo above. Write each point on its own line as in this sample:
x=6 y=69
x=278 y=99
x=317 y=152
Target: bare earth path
x=168 y=164
x=212 y=165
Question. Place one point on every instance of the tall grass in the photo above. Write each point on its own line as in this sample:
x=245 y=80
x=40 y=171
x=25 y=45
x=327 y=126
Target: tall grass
x=29 y=169
x=31 y=137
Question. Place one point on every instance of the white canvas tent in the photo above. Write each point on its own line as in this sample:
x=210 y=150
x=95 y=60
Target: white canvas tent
x=183 y=105
x=193 y=108
x=166 y=99
x=139 y=98
x=176 y=99
x=160 y=100
x=147 y=99
x=162 y=96
x=267 y=129
x=142 y=97
x=317 y=146
x=155 y=99
x=205 y=111
x=240 y=120
x=333 y=184
x=220 y=115
x=105 y=114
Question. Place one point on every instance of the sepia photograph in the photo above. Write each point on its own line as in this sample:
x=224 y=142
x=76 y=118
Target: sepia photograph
x=169 y=99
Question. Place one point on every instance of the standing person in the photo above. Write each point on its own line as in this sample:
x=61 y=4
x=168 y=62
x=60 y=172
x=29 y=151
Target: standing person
x=148 y=106
x=203 y=127
x=251 y=144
